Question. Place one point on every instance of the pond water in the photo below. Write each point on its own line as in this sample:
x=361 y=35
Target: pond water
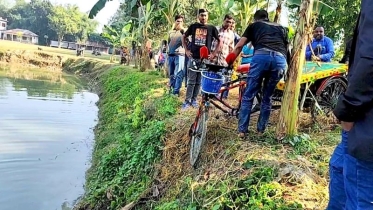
x=46 y=139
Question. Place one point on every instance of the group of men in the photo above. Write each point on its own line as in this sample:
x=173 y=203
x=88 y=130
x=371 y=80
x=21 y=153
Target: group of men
x=184 y=46
x=351 y=165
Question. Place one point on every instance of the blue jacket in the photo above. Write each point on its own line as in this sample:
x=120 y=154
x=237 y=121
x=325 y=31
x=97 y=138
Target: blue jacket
x=327 y=49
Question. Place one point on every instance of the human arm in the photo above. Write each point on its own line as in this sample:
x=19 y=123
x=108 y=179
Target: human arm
x=246 y=37
x=308 y=52
x=215 y=34
x=358 y=98
x=346 y=55
x=184 y=41
x=329 y=51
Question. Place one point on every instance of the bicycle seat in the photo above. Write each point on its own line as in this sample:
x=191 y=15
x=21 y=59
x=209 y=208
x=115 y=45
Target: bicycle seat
x=213 y=67
x=243 y=69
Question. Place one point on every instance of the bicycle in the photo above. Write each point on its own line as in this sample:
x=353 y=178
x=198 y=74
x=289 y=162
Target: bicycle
x=213 y=94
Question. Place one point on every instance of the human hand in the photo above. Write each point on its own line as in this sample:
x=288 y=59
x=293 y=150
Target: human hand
x=347 y=126
x=212 y=56
x=315 y=58
x=188 y=53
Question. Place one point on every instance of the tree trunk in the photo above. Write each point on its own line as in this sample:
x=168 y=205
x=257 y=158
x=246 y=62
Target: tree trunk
x=145 y=59
x=60 y=38
x=278 y=11
x=287 y=124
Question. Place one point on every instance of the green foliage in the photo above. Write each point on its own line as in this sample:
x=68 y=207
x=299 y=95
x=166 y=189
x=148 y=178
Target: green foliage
x=38 y=17
x=100 y=4
x=128 y=137
x=257 y=190
x=342 y=19
x=302 y=144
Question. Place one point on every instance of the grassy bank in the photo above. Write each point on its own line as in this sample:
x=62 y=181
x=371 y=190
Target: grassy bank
x=13 y=45
x=141 y=153
x=256 y=174
x=133 y=115
x=140 y=159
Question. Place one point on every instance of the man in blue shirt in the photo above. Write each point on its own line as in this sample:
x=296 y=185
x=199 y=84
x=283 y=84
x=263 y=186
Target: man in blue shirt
x=322 y=46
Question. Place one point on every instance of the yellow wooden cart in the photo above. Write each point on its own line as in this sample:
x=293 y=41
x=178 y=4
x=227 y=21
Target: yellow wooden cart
x=321 y=85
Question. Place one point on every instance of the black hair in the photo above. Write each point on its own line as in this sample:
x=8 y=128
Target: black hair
x=202 y=11
x=261 y=15
x=179 y=16
x=228 y=16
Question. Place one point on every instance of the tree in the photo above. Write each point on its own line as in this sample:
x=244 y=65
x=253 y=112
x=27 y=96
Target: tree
x=64 y=20
x=113 y=38
x=86 y=26
x=287 y=124
x=341 y=20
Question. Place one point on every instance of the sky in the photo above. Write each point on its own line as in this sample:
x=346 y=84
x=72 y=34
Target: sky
x=111 y=7
x=102 y=17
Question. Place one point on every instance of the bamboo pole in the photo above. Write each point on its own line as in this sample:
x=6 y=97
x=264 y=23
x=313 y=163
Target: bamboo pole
x=287 y=124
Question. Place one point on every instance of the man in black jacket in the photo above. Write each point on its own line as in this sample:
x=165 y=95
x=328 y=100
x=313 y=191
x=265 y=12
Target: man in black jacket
x=355 y=111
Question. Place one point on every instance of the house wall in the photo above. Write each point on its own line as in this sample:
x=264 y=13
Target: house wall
x=3 y=25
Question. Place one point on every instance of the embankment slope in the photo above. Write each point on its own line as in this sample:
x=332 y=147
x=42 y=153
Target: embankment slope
x=140 y=158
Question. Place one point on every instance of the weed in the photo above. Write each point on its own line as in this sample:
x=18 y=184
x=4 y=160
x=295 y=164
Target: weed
x=128 y=137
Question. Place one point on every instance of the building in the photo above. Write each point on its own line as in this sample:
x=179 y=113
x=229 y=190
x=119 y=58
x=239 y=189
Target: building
x=20 y=35
x=88 y=46
x=3 y=25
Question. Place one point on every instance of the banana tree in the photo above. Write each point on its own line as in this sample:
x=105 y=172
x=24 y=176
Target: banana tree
x=144 y=25
x=113 y=37
x=169 y=10
x=246 y=12
x=318 y=7
x=278 y=11
x=288 y=119
x=100 y=4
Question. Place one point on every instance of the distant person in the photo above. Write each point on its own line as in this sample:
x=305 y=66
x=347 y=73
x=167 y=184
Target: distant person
x=322 y=47
x=176 y=55
x=346 y=56
x=247 y=53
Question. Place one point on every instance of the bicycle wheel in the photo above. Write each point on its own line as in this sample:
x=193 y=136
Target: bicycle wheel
x=198 y=134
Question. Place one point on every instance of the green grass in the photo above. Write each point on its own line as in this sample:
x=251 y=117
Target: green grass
x=133 y=107
x=13 y=45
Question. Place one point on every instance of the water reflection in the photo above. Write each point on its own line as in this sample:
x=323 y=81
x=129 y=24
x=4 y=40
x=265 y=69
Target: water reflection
x=45 y=139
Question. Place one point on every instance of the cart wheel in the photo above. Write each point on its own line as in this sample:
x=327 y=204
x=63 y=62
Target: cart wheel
x=327 y=97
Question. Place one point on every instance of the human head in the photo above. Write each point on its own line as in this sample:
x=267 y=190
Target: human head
x=261 y=15
x=203 y=16
x=318 y=33
x=179 y=20
x=228 y=21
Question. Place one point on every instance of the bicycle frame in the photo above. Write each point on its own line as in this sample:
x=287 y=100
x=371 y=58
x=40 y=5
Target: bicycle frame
x=232 y=111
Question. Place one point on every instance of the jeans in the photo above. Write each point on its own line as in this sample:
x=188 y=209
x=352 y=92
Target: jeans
x=193 y=85
x=179 y=75
x=351 y=180
x=269 y=66
x=186 y=70
x=175 y=64
x=337 y=195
